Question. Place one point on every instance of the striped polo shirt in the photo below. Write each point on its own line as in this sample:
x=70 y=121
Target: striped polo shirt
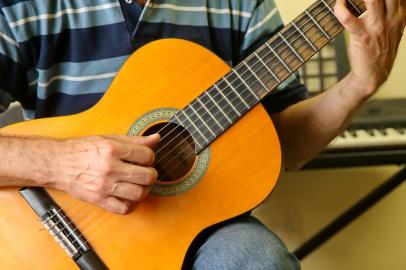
x=58 y=57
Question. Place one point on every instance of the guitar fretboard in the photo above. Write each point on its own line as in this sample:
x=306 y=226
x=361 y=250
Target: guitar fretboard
x=216 y=109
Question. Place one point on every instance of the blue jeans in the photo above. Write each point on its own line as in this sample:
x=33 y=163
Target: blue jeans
x=242 y=243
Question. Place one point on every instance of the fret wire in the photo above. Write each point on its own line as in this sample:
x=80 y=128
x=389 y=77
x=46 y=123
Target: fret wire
x=249 y=88
x=311 y=19
x=193 y=124
x=328 y=6
x=310 y=43
x=196 y=141
x=201 y=119
x=215 y=103
x=222 y=94
x=354 y=6
x=290 y=46
x=236 y=92
x=232 y=106
x=266 y=66
x=255 y=75
x=318 y=25
x=209 y=112
x=277 y=56
x=303 y=35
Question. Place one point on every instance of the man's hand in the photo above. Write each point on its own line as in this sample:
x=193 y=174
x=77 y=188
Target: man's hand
x=374 y=40
x=113 y=172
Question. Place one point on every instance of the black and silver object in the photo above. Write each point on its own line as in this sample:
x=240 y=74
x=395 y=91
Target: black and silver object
x=376 y=136
x=62 y=229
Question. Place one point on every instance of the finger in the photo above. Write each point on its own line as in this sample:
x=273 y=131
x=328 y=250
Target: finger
x=109 y=203
x=376 y=10
x=129 y=192
x=137 y=154
x=150 y=140
x=135 y=174
x=130 y=152
x=349 y=21
x=136 y=150
x=392 y=7
x=115 y=205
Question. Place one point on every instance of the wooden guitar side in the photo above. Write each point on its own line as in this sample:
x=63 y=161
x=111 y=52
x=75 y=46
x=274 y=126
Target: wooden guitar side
x=244 y=167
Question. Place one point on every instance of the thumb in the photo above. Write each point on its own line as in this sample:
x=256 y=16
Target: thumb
x=150 y=141
x=349 y=21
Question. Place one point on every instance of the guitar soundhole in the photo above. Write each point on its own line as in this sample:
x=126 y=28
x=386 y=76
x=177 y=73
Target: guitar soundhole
x=175 y=154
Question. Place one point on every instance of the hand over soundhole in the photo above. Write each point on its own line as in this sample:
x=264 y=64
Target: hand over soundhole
x=175 y=154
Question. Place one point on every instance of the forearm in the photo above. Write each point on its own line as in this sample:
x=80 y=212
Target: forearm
x=307 y=127
x=25 y=161
x=114 y=172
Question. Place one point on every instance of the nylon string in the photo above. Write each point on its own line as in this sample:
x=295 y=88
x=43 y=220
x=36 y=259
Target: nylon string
x=75 y=203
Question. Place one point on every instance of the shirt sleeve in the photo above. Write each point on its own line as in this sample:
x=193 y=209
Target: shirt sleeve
x=264 y=23
x=13 y=72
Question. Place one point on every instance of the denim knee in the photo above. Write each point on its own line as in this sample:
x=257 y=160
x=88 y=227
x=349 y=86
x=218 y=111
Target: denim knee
x=245 y=244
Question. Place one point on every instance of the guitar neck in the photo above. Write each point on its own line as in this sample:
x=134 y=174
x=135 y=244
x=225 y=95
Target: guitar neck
x=209 y=115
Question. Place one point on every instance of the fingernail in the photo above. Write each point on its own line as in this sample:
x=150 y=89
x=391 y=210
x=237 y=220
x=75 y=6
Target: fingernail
x=153 y=135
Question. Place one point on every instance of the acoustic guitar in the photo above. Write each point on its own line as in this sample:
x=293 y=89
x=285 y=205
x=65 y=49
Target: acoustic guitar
x=219 y=155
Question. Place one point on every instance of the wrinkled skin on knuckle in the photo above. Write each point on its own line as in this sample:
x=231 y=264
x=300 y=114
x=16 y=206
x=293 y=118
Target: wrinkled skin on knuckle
x=103 y=145
x=106 y=169
x=115 y=188
x=379 y=29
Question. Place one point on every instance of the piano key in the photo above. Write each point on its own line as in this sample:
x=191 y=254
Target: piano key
x=390 y=137
x=370 y=132
x=383 y=131
x=353 y=133
x=368 y=148
x=401 y=130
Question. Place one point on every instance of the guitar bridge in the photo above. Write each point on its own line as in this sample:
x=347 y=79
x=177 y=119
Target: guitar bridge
x=62 y=229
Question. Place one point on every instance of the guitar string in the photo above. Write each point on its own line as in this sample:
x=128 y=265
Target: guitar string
x=305 y=31
x=174 y=159
x=100 y=228
x=92 y=225
x=260 y=48
x=207 y=111
x=187 y=137
x=249 y=58
x=103 y=215
x=271 y=59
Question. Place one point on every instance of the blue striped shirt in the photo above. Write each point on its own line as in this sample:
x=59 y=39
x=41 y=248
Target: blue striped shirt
x=58 y=57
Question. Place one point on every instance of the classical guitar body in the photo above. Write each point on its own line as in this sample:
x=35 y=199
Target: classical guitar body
x=234 y=174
